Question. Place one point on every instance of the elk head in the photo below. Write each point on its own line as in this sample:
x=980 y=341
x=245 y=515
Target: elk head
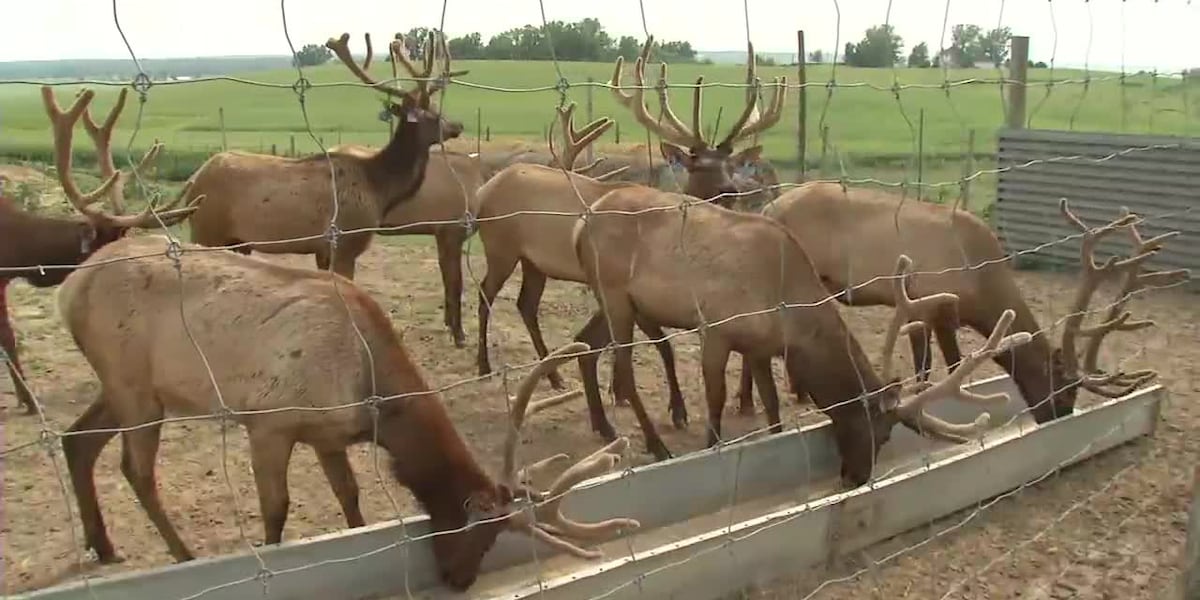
x=1068 y=373
x=577 y=140
x=98 y=226
x=413 y=110
x=891 y=405
x=537 y=513
x=711 y=167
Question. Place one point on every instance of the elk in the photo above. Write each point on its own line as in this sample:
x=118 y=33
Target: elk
x=777 y=307
x=43 y=249
x=524 y=218
x=832 y=223
x=275 y=337
x=278 y=204
x=712 y=168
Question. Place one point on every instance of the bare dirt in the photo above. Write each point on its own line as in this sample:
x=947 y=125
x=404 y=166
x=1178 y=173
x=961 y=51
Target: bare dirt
x=1110 y=528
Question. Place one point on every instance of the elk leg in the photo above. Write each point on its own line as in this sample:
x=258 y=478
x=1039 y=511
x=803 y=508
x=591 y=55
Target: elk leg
x=81 y=451
x=449 y=249
x=340 y=475
x=714 y=356
x=498 y=272
x=533 y=284
x=746 y=390
x=760 y=369
x=8 y=343
x=947 y=339
x=270 y=453
x=595 y=335
x=621 y=316
x=139 y=450
x=679 y=416
x=922 y=352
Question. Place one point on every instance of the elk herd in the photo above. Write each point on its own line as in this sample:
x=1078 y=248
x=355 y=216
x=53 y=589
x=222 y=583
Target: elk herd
x=259 y=337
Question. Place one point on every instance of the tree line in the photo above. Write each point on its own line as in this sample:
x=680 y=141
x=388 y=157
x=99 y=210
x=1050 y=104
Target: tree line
x=584 y=40
x=970 y=46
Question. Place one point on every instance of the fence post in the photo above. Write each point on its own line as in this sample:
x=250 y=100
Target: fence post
x=590 y=150
x=1018 y=72
x=617 y=129
x=221 y=119
x=921 y=155
x=1189 y=576
x=824 y=144
x=293 y=151
x=479 y=130
x=802 y=128
x=968 y=169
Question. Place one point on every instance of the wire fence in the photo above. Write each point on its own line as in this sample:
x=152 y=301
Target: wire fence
x=676 y=253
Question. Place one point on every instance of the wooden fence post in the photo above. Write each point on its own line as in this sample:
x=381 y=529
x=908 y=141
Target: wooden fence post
x=221 y=118
x=1018 y=71
x=591 y=153
x=802 y=126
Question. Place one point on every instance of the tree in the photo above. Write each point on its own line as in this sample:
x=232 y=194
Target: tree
x=312 y=55
x=628 y=47
x=880 y=47
x=966 y=46
x=469 y=46
x=765 y=60
x=919 y=57
x=816 y=56
x=676 y=52
x=994 y=45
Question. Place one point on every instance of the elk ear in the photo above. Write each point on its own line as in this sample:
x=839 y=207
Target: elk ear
x=748 y=157
x=676 y=155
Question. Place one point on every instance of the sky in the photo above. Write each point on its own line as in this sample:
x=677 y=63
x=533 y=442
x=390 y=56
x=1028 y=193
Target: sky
x=1104 y=34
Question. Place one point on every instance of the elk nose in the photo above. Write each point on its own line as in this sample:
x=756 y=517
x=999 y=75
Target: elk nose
x=452 y=129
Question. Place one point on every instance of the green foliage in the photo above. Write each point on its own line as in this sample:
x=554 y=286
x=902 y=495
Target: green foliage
x=583 y=40
x=312 y=55
x=919 y=57
x=880 y=47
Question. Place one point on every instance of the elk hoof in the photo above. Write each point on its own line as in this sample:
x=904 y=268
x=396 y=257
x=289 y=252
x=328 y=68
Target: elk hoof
x=556 y=381
x=460 y=339
x=679 y=418
x=108 y=556
x=659 y=449
x=621 y=402
x=605 y=431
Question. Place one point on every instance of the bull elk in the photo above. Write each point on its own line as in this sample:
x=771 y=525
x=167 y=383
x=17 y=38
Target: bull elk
x=524 y=218
x=278 y=337
x=778 y=307
x=278 y=204
x=832 y=222
x=31 y=242
x=712 y=168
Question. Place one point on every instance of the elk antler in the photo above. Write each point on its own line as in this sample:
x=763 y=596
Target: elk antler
x=547 y=523
x=910 y=410
x=671 y=129
x=1117 y=318
x=577 y=140
x=63 y=124
x=341 y=48
x=427 y=83
x=751 y=123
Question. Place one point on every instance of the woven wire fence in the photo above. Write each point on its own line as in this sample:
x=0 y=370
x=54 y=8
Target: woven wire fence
x=701 y=313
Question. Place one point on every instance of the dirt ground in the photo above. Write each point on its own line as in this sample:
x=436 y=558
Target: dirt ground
x=1110 y=528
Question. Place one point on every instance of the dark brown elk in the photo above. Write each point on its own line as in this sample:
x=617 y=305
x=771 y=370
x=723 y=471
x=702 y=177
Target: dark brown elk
x=778 y=307
x=260 y=338
x=526 y=213
x=278 y=204
x=42 y=249
x=712 y=168
x=832 y=223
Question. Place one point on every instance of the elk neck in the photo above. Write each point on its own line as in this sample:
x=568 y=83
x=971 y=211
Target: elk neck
x=398 y=170
x=48 y=241
x=1029 y=365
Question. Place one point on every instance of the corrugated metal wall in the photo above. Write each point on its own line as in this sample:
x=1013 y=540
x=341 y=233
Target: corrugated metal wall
x=1157 y=177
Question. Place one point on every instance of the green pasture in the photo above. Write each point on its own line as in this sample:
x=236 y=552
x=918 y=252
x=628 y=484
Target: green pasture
x=868 y=123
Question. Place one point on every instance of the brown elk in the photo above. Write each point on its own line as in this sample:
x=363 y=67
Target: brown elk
x=760 y=295
x=275 y=338
x=832 y=222
x=525 y=217
x=278 y=204
x=712 y=168
x=43 y=249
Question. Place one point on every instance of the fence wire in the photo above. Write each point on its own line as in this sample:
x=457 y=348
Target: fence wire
x=231 y=410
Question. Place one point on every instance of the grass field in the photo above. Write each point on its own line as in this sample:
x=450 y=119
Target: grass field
x=867 y=123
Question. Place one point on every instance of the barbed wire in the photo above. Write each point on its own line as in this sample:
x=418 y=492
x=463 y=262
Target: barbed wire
x=177 y=251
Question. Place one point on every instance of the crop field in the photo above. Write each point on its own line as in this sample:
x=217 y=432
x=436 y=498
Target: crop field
x=1111 y=527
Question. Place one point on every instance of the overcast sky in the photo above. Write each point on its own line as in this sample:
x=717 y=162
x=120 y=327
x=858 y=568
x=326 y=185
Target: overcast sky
x=1146 y=34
